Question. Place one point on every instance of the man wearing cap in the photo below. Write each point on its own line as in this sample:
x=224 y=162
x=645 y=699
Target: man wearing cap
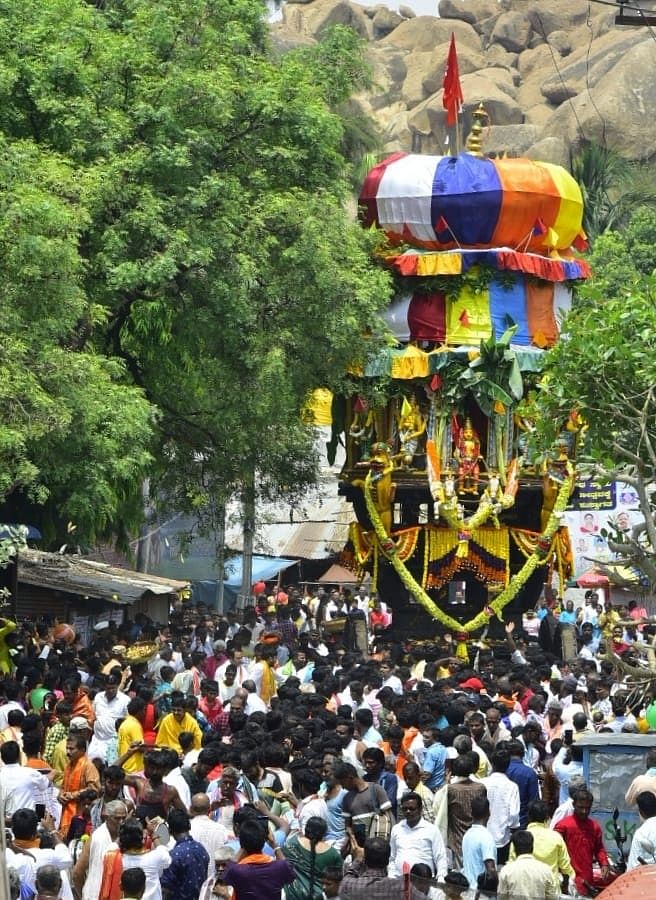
x=108 y=706
x=78 y=726
x=115 y=660
x=218 y=657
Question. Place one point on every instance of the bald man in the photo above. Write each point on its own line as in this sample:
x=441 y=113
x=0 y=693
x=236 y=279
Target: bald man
x=212 y=835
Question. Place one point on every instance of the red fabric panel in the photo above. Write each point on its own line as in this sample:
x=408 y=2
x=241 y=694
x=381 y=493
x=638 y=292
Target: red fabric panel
x=427 y=317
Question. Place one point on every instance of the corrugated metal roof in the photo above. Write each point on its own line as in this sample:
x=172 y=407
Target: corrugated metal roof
x=88 y=578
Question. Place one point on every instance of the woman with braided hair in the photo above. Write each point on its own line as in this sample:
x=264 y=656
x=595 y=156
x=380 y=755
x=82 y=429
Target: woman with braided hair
x=310 y=855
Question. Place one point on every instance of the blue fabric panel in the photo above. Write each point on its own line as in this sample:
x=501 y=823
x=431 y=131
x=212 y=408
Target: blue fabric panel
x=467 y=193
x=508 y=307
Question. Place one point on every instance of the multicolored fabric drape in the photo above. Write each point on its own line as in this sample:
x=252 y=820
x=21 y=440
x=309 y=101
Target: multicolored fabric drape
x=438 y=202
x=533 y=306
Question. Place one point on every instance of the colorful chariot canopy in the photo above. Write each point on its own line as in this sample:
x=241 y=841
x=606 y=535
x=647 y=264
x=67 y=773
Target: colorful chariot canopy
x=444 y=202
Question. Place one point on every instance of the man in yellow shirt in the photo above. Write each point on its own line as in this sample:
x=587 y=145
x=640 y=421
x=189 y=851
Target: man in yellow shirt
x=177 y=721
x=130 y=733
x=548 y=846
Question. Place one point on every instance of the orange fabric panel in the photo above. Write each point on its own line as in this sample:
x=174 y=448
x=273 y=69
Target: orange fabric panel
x=542 y=324
x=529 y=193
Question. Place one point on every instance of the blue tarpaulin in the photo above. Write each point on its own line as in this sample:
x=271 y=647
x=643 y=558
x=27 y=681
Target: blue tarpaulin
x=264 y=569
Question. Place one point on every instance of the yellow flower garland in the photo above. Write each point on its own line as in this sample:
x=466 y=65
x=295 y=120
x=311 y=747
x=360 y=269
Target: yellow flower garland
x=518 y=580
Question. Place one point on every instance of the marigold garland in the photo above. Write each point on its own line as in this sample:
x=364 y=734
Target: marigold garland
x=535 y=560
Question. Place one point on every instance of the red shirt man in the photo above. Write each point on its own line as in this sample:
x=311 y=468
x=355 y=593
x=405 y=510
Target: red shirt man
x=585 y=843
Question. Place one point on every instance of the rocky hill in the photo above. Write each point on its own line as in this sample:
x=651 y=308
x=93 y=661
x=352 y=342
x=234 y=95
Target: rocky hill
x=551 y=73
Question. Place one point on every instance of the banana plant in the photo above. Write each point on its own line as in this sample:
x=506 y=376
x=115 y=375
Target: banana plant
x=495 y=380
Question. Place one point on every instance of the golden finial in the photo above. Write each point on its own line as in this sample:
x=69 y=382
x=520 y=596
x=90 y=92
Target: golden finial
x=474 y=141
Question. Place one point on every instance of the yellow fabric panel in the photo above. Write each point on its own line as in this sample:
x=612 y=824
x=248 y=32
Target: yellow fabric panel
x=439 y=264
x=570 y=215
x=468 y=319
x=410 y=363
x=319 y=407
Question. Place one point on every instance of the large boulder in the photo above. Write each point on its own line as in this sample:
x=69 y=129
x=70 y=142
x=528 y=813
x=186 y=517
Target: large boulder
x=426 y=32
x=617 y=111
x=556 y=15
x=584 y=70
x=550 y=149
x=512 y=139
x=283 y=40
x=501 y=106
x=317 y=17
x=389 y=72
x=536 y=59
x=512 y=31
x=385 y=21
x=470 y=11
x=407 y=12
x=469 y=61
x=497 y=56
x=501 y=78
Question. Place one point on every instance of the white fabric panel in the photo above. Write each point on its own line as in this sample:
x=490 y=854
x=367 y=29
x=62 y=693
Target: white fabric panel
x=396 y=317
x=405 y=194
x=562 y=301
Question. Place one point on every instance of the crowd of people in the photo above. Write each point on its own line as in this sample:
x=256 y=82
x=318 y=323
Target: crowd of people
x=292 y=749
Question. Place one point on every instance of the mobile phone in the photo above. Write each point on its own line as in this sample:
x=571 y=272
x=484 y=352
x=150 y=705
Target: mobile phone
x=568 y=737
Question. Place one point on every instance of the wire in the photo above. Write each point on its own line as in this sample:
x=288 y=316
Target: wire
x=587 y=77
x=622 y=5
x=562 y=80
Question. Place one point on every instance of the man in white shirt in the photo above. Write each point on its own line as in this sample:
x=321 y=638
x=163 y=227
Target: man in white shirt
x=252 y=703
x=21 y=786
x=414 y=840
x=389 y=679
x=13 y=692
x=643 y=845
x=24 y=825
x=235 y=658
x=212 y=835
x=503 y=795
x=108 y=706
x=174 y=777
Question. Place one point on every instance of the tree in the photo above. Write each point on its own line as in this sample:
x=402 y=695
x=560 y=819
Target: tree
x=213 y=249
x=612 y=188
x=73 y=435
x=605 y=369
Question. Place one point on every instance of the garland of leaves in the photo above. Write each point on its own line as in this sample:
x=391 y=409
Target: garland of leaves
x=537 y=559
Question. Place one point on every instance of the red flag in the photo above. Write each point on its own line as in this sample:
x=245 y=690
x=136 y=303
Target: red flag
x=441 y=224
x=464 y=318
x=539 y=227
x=580 y=243
x=452 y=99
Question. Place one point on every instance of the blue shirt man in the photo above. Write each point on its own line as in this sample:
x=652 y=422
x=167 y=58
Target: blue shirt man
x=189 y=861
x=434 y=763
x=526 y=780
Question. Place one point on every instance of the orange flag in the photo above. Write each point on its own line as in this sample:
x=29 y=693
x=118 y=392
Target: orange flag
x=452 y=99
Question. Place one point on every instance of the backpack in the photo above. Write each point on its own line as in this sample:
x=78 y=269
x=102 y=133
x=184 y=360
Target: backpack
x=380 y=824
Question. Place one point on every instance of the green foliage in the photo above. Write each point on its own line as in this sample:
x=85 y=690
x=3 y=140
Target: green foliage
x=605 y=367
x=612 y=188
x=494 y=376
x=181 y=248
